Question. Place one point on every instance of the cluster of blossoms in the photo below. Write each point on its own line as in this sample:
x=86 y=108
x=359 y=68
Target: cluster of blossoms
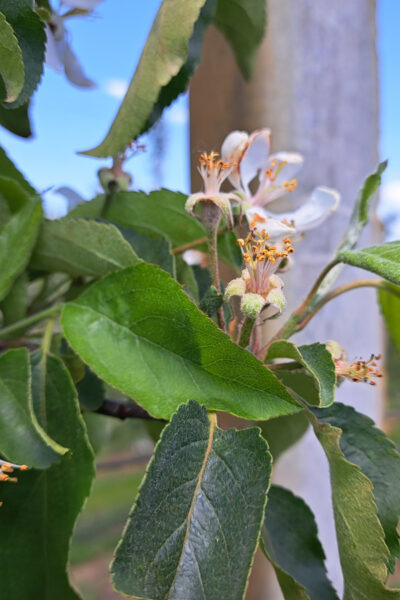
x=6 y=470
x=245 y=158
x=259 y=286
x=365 y=371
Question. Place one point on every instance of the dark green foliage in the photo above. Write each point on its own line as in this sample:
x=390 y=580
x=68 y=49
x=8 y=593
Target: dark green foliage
x=194 y=527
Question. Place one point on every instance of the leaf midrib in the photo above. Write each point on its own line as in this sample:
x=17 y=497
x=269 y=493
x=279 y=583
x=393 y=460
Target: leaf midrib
x=213 y=423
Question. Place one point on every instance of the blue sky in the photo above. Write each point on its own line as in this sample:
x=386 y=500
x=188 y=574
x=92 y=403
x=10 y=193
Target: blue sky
x=67 y=119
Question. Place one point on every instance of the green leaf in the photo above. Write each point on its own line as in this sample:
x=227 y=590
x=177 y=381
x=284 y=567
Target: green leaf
x=390 y=308
x=22 y=439
x=282 y=432
x=383 y=260
x=290 y=541
x=7 y=169
x=369 y=448
x=194 y=527
x=360 y=216
x=15 y=304
x=90 y=391
x=180 y=81
x=16 y=241
x=30 y=33
x=11 y=64
x=16 y=120
x=137 y=330
x=39 y=513
x=211 y=301
x=163 y=56
x=359 y=219
x=152 y=248
x=316 y=359
x=243 y=23
x=15 y=195
x=362 y=549
x=161 y=212
x=186 y=277
x=81 y=248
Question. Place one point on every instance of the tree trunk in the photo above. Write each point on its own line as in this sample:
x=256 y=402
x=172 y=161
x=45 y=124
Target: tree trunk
x=315 y=85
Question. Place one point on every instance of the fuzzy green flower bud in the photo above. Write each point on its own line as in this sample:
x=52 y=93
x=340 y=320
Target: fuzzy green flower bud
x=251 y=305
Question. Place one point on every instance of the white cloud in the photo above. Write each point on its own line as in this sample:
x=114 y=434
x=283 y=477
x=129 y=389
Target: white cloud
x=115 y=87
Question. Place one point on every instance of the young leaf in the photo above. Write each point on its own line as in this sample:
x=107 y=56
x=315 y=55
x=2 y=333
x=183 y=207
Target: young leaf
x=29 y=31
x=81 y=247
x=369 y=448
x=15 y=304
x=194 y=527
x=39 y=513
x=14 y=194
x=282 y=432
x=390 y=307
x=11 y=63
x=243 y=24
x=316 y=359
x=362 y=549
x=383 y=260
x=90 y=391
x=137 y=330
x=360 y=215
x=163 y=56
x=16 y=120
x=16 y=241
x=152 y=248
x=8 y=169
x=290 y=541
x=161 y=212
x=22 y=439
x=359 y=219
x=180 y=81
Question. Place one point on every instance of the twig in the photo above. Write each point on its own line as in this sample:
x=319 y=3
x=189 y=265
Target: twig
x=124 y=409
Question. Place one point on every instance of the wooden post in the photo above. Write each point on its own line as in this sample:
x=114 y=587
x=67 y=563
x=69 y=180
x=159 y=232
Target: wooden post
x=315 y=85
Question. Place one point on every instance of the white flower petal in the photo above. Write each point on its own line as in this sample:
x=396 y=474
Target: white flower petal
x=314 y=211
x=294 y=162
x=83 y=4
x=255 y=156
x=272 y=224
x=233 y=145
x=231 y=151
x=74 y=70
x=52 y=58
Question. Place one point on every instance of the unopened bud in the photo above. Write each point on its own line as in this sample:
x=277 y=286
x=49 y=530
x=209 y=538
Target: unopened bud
x=236 y=287
x=251 y=305
x=111 y=182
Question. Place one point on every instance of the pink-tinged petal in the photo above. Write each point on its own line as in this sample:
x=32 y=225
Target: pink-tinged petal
x=231 y=151
x=74 y=70
x=260 y=218
x=82 y=4
x=255 y=156
x=314 y=211
x=52 y=58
